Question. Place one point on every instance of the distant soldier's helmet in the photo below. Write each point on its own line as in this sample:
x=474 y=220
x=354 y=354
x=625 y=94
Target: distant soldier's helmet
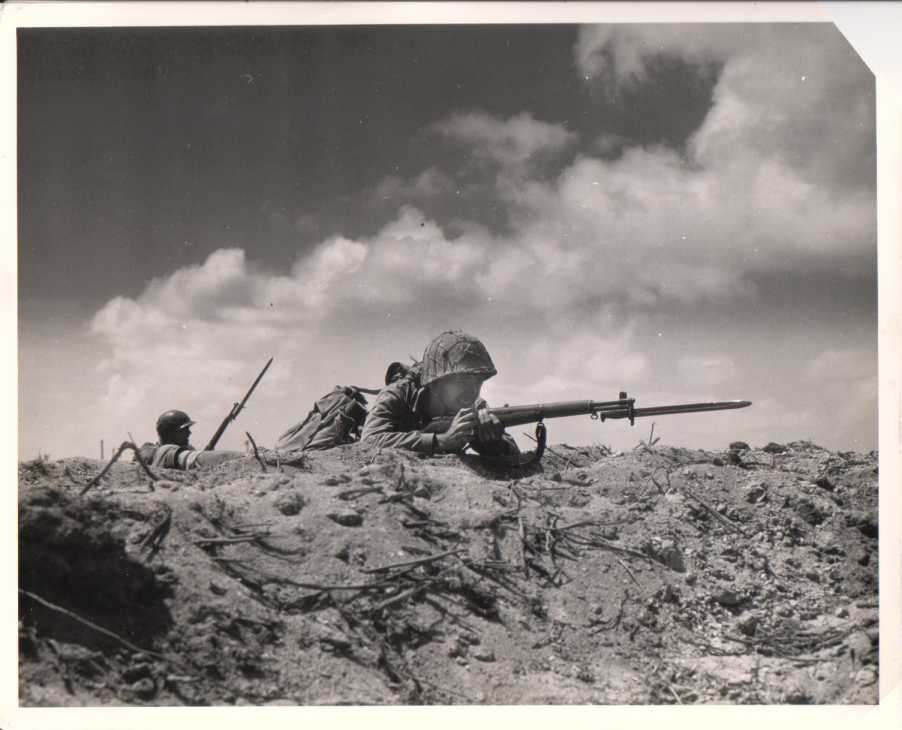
x=455 y=353
x=171 y=421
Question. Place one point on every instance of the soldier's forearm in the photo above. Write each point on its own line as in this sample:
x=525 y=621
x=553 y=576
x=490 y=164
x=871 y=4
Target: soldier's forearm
x=213 y=458
x=410 y=440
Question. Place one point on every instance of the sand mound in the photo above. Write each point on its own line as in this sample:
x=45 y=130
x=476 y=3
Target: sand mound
x=358 y=577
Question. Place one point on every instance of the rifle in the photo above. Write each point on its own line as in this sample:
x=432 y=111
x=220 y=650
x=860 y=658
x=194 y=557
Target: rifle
x=623 y=407
x=236 y=409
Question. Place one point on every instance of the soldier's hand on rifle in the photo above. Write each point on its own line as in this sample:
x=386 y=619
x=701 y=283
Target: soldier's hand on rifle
x=490 y=430
x=460 y=432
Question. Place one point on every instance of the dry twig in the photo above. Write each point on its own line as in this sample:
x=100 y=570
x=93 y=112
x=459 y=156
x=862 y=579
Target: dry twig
x=256 y=452
x=140 y=459
x=601 y=543
x=90 y=624
x=713 y=512
x=349 y=494
x=412 y=563
x=122 y=448
x=225 y=540
x=629 y=572
x=521 y=530
x=153 y=540
x=584 y=523
x=402 y=596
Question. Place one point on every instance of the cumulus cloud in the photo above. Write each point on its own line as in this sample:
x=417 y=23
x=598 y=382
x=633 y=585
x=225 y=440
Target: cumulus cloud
x=621 y=54
x=512 y=143
x=706 y=370
x=773 y=180
x=763 y=186
x=777 y=95
x=588 y=359
x=832 y=399
x=569 y=363
x=846 y=382
x=427 y=184
x=856 y=369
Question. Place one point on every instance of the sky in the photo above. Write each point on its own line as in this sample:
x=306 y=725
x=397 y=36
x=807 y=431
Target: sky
x=683 y=212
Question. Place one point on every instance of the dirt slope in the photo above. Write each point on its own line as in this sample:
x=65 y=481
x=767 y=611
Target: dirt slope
x=655 y=576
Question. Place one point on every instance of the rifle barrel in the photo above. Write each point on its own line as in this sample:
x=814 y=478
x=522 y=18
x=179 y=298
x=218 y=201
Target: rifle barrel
x=236 y=409
x=519 y=415
x=251 y=389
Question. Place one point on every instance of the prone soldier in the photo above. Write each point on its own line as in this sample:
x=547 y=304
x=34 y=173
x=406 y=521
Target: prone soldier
x=447 y=382
x=174 y=450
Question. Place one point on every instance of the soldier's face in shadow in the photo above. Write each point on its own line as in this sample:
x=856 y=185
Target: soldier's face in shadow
x=179 y=436
x=448 y=395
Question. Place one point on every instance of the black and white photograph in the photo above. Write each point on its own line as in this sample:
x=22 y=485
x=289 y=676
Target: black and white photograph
x=493 y=361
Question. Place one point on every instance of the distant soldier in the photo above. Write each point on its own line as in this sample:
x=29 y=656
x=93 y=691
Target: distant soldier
x=173 y=451
x=446 y=383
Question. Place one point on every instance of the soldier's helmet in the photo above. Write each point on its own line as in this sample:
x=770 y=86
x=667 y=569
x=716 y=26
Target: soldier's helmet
x=455 y=353
x=171 y=421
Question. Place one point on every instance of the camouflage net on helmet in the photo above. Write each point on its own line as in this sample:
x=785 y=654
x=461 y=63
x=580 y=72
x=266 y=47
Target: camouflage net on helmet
x=455 y=353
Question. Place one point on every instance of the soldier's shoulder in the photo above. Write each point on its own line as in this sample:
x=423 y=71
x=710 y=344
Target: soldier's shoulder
x=164 y=451
x=405 y=389
x=147 y=449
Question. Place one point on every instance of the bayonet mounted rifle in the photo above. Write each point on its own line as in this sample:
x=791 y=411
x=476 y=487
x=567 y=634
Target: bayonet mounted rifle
x=236 y=409
x=623 y=407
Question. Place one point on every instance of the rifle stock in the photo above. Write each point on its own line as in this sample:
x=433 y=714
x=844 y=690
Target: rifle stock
x=236 y=409
x=623 y=407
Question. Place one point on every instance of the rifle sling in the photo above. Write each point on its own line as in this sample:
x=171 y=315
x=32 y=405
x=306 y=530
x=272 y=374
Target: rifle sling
x=521 y=460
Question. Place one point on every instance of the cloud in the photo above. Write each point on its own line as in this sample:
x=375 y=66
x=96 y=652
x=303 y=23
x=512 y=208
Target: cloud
x=198 y=330
x=429 y=183
x=706 y=370
x=562 y=365
x=767 y=184
x=621 y=54
x=772 y=181
x=850 y=368
x=776 y=98
x=648 y=228
x=833 y=401
x=597 y=360
x=306 y=224
x=512 y=143
x=610 y=145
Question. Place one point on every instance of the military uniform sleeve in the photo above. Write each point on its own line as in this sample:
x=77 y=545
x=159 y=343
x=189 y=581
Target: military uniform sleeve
x=170 y=456
x=187 y=459
x=163 y=456
x=388 y=425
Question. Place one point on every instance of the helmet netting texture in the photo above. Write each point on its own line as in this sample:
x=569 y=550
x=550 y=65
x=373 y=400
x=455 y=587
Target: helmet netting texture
x=455 y=353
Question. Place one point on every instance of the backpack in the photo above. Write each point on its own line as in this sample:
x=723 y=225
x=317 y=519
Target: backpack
x=335 y=419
